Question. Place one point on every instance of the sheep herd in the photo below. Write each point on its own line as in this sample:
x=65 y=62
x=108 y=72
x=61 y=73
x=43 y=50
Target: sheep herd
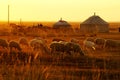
x=102 y=44
x=12 y=51
x=26 y=51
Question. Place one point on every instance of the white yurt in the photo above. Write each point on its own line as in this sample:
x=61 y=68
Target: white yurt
x=94 y=24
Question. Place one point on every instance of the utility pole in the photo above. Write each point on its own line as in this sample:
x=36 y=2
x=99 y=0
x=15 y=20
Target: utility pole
x=8 y=15
x=94 y=14
x=20 y=21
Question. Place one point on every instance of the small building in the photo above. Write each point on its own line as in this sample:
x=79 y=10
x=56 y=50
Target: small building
x=94 y=24
x=62 y=28
x=61 y=24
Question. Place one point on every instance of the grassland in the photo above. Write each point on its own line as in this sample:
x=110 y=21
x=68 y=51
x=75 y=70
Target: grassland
x=95 y=65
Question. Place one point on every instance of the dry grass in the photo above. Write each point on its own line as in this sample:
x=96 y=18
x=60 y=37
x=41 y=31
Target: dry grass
x=95 y=65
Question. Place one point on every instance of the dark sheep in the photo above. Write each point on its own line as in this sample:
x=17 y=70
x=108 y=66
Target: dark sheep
x=100 y=43
x=73 y=47
x=3 y=43
x=23 y=41
x=57 y=47
x=112 y=44
x=65 y=47
x=15 y=45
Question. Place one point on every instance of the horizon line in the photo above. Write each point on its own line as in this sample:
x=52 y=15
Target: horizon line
x=45 y=21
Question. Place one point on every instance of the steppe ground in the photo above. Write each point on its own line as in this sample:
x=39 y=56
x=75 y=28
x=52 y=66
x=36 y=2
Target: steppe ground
x=95 y=65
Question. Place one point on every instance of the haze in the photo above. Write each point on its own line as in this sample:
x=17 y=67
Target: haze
x=53 y=10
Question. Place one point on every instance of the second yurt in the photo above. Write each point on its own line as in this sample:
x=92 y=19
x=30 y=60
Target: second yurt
x=94 y=24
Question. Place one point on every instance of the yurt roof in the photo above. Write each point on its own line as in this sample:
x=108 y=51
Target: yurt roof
x=61 y=23
x=94 y=20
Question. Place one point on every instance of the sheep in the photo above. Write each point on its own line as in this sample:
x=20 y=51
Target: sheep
x=39 y=48
x=89 y=44
x=15 y=45
x=100 y=43
x=3 y=43
x=23 y=41
x=35 y=44
x=71 y=47
x=65 y=47
x=112 y=44
x=24 y=44
x=57 y=47
x=39 y=45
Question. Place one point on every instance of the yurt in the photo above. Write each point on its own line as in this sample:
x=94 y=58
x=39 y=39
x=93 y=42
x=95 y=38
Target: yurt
x=94 y=24
x=61 y=24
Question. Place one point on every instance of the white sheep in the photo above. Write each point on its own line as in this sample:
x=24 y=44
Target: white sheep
x=89 y=44
x=39 y=45
x=35 y=44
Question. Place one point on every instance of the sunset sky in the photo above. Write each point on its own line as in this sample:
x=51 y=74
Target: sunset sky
x=53 y=10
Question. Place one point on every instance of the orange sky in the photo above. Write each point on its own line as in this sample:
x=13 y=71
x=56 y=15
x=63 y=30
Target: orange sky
x=53 y=10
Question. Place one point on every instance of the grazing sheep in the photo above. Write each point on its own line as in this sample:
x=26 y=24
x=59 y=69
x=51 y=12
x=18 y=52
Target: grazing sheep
x=67 y=47
x=39 y=45
x=89 y=44
x=112 y=44
x=23 y=41
x=14 y=45
x=3 y=43
x=35 y=44
x=100 y=43
x=57 y=47
x=71 y=47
